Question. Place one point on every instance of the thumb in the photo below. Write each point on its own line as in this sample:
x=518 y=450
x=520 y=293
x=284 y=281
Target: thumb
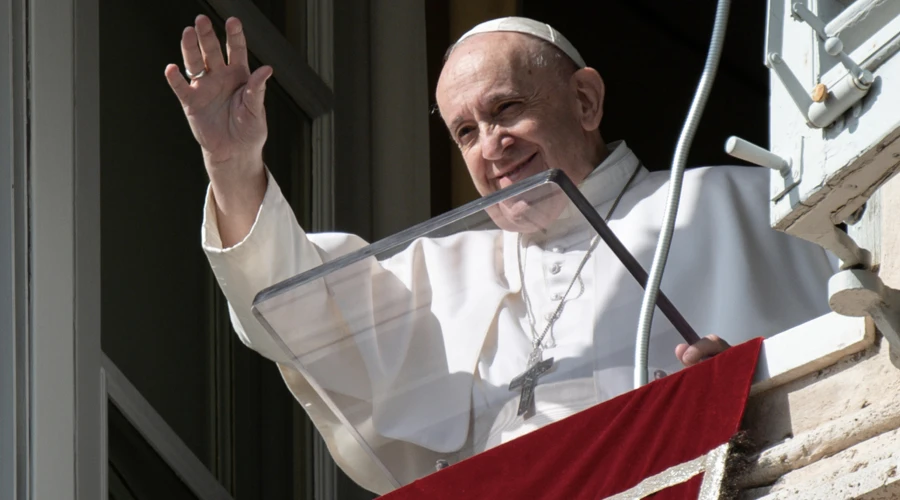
x=255 y=90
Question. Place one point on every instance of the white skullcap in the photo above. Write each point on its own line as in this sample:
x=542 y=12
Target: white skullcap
x=529 y=27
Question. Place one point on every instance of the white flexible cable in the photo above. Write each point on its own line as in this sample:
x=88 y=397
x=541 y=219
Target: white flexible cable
x=678 y=165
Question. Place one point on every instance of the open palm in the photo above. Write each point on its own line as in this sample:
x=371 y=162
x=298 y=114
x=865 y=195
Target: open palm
x=223 y=102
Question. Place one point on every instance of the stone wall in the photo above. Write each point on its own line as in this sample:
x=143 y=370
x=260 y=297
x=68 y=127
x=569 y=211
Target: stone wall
x=834 y=433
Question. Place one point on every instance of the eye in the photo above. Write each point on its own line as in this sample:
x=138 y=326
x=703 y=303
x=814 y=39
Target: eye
x=463 y=132
x=507 y=105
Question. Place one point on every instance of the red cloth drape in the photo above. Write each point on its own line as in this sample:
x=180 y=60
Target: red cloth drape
x=613 y=446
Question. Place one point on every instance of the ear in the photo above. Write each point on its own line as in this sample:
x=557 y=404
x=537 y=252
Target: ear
x=589 y=93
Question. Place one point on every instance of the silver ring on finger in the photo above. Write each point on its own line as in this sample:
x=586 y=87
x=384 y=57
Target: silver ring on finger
x=193 y=76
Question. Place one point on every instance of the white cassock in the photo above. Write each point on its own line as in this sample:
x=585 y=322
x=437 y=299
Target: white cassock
x=728 y=273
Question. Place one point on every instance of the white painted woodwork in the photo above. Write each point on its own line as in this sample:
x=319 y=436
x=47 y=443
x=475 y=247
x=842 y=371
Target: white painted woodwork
x=842 y=165
x=814 y=345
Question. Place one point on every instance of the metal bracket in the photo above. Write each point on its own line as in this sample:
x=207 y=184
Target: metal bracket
x=856 y=292
x=829 y=104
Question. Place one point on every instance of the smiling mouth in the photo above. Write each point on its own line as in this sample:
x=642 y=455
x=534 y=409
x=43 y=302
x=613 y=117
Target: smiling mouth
x=514 y=172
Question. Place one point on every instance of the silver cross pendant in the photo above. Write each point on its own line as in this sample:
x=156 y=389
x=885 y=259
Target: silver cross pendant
x=526 y=383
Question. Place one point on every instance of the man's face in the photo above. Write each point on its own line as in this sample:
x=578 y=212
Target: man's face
x=511 y=117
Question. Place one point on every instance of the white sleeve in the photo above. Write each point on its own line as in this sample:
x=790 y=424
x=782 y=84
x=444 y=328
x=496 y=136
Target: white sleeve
x=276 y=248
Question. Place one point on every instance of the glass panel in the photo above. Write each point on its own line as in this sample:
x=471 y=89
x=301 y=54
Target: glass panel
x=382 y=333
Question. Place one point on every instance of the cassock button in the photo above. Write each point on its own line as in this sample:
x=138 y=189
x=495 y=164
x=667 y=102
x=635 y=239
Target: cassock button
x=555 y=268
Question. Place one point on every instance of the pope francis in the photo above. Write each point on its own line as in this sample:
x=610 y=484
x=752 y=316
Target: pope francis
x=482 y=307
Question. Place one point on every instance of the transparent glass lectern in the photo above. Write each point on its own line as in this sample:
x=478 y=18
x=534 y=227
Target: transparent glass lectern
x=413 y=341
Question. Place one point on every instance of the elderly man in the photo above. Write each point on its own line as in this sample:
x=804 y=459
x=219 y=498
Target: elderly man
x=518 y=99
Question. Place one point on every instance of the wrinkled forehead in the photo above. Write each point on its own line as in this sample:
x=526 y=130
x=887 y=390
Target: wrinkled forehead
x=484 y=63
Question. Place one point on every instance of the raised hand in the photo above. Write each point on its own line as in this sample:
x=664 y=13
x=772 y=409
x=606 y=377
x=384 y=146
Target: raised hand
x=223 y=104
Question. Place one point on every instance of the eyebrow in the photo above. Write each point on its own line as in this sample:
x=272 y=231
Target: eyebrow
x=455 y=124
x=490 y=98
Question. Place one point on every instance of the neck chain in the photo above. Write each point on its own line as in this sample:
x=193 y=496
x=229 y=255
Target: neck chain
x=537 y=340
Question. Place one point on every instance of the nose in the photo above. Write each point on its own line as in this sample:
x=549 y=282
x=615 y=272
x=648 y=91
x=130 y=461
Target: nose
x=495 y=141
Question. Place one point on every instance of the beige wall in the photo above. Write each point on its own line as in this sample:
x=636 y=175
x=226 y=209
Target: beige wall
x=889 y=261
x=464 y=14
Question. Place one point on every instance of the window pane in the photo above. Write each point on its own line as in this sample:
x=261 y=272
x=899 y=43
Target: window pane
x=289 y=17
x=136 y=471
x=287 y=153
x=153 y=272
x=164 y=321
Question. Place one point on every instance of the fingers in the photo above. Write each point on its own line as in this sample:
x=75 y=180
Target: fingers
x=209 y=44
x=177 y=82
x=193 y=58
x=706 y=347
x=679 y=351
x=236 y=43
x=254 y=92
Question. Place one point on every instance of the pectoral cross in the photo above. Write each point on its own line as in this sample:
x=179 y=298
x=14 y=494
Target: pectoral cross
x=527 y=381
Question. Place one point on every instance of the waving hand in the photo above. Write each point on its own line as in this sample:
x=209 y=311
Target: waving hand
x=223 y=103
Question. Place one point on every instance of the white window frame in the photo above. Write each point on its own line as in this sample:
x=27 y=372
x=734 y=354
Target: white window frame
x=14 y=425
x=64 y=331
